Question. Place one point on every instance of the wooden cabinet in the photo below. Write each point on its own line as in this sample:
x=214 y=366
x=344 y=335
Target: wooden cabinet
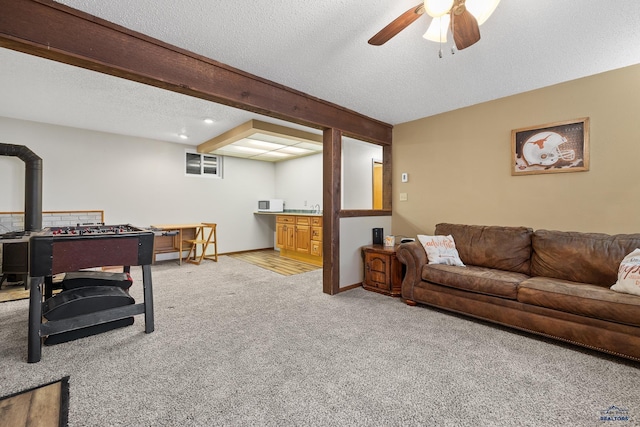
x=285 y=233
x=383 y=272
x=316 y=248
x=303 y=234
x=316 y=237
x=300 y=237
x=303 y=239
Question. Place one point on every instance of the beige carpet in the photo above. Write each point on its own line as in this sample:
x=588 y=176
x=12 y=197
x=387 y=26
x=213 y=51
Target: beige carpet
x=238 y=345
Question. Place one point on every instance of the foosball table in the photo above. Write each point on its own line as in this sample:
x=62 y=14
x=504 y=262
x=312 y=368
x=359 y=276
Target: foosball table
x=57 y=250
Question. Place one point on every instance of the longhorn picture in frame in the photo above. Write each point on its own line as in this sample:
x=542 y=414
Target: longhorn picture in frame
x=551 y=148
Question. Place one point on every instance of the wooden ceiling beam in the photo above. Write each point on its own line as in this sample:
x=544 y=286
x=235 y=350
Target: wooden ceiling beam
x=60 y=33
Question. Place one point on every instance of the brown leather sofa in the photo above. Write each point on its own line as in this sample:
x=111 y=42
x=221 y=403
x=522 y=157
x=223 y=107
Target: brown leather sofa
x=550 y=283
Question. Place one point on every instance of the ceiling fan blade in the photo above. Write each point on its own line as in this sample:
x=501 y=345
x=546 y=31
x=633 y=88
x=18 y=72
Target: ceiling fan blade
x=464 y=27
x=397 y=25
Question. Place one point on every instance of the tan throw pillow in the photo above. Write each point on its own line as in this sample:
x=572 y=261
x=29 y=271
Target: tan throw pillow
x=629 y=274
x=440 y=250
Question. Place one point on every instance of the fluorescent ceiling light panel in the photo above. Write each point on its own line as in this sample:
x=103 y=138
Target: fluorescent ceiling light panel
x=273 y=138
x=254 y=139
x=262 y=144
x=310 y=146
x=249 y=149
x=295 y=150
x=275 y=154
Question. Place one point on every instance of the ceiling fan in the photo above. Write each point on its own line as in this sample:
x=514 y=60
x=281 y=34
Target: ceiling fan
x=463 y=17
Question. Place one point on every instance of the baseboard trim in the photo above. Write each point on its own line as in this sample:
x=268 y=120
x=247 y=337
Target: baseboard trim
x=348 y=288
x=247 y=250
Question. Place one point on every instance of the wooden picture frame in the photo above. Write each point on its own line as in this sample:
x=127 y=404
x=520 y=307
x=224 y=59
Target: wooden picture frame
x=551 y=148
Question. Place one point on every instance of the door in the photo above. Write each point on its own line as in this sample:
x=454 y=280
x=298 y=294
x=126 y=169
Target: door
x=377 y=184
x=303 y=239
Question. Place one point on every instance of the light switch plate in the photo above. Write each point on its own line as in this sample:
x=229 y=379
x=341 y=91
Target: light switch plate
x=403 y=197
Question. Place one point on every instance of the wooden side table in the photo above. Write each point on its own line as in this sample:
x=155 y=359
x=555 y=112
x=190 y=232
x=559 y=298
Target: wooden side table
x=383 y=272
x=165 y=244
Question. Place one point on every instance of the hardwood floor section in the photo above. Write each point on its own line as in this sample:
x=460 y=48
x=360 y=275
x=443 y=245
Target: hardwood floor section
x=34 y=408
x=13 y=291
x=271 y=260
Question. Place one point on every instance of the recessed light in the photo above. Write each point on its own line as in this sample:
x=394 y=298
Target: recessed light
x=183 y=136
x=208 y=121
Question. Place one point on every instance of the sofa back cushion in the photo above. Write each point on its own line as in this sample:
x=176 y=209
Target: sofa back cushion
x=502 y=248
x=592 y=258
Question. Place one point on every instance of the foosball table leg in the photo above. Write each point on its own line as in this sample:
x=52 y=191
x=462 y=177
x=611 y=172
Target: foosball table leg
x=148 y=299
x=34 y=345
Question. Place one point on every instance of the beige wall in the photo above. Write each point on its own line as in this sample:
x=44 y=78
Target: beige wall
x=459 y=162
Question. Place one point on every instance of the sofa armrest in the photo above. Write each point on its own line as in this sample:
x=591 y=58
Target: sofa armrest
x=413 y=256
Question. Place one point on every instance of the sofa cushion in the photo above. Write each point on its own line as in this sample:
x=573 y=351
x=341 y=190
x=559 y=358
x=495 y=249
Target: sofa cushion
x=591 y=258
x=440 y=250
x=475 y=279
x=629 y=274
x=502 y=248
x=581 y=299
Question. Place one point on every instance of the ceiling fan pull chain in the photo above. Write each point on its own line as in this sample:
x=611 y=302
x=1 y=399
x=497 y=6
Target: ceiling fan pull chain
x=451 y=24
x=440 y=51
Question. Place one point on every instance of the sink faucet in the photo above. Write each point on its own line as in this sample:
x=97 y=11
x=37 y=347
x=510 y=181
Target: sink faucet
x=316 y=208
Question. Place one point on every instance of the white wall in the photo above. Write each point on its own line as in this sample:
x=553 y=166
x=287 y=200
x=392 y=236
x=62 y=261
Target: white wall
x=142 y=182
x=355 y=233
x=357 y=173
x=301 y=179
x=298 y=181
x=137 y=181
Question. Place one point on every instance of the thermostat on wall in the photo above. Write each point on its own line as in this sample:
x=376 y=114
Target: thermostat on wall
x=405 y=177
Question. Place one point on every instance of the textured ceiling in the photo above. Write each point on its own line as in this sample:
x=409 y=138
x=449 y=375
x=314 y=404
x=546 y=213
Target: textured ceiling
x=320 y=48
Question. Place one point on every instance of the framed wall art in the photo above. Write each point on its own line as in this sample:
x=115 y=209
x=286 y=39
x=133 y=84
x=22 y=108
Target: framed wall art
x=551 y=148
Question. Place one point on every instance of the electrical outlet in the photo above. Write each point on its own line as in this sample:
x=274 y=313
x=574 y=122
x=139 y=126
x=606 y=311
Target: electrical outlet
x=403 y=197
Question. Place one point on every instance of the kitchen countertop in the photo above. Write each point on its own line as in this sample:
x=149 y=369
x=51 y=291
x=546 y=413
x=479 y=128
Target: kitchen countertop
x=296 y=212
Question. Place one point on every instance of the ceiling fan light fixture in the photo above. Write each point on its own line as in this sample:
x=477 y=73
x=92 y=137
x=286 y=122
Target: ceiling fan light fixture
x=437 y=31
x=481 y=9
x=437 y=8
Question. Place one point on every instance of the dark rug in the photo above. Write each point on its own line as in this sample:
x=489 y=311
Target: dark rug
x=46 y=405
